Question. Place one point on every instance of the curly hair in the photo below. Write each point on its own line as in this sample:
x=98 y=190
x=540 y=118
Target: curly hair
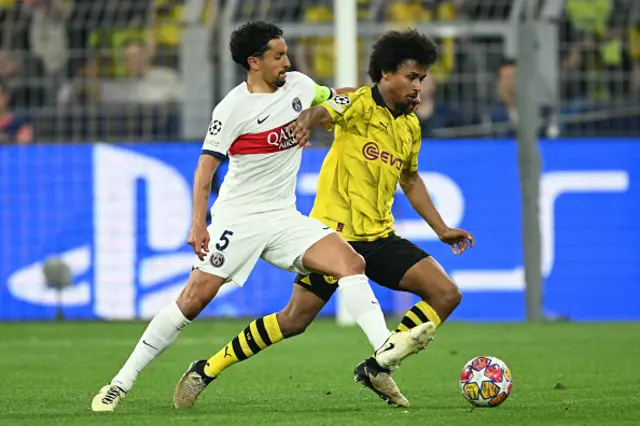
x=252 y=39
x=396 y=47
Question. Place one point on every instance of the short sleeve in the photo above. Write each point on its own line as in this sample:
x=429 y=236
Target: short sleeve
x=342 y=108
x=317 y=93
x=223 y=130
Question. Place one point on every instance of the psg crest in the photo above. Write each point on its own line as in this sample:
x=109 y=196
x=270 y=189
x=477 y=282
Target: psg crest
x=217 y=260
x=297 y=105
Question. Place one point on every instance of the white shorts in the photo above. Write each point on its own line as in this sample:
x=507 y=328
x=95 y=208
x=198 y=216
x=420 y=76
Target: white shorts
x=280 y=238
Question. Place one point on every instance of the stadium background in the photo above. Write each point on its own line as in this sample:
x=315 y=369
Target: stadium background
x=103 y=106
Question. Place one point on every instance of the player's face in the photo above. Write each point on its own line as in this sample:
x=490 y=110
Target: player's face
x=403 y=86
x=275 y=63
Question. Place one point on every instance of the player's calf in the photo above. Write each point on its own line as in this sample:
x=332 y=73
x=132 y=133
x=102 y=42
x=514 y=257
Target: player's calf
x=449 y=299
x=439 y=291
x=292 y=326
x=301 y=310
x=440 y=295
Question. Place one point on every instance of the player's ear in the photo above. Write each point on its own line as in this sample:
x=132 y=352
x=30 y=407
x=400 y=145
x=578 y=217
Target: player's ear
x=253 y=63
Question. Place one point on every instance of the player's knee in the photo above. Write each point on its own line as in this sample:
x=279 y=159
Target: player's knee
x=190 y=306
x=352 y=264
x=441 y=292
x=452 y=296
x=291 y=324
x=197 y=294
x=446 y=294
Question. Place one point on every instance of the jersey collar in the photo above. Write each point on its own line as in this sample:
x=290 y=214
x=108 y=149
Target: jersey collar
x=377 y=97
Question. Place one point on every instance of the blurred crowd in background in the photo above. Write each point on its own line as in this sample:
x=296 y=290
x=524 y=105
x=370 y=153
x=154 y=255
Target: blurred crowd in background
x=85 y=70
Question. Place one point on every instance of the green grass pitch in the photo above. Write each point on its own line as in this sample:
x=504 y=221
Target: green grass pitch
x=564 y=374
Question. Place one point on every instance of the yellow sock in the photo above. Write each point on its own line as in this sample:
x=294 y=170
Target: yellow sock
x=417 y=315
x=260 y=334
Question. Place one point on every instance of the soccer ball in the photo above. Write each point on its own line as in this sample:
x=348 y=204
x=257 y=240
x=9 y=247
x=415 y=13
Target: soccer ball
x=485 y=381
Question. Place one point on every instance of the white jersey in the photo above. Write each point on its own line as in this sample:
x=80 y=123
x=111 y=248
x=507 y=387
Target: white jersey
x=263 y=156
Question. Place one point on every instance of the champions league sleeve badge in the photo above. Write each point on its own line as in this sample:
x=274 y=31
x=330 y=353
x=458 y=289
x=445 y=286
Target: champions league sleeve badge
x=215 y=127
x=342 y=100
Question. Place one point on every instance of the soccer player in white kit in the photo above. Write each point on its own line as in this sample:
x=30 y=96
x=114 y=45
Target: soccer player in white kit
x=255 y=214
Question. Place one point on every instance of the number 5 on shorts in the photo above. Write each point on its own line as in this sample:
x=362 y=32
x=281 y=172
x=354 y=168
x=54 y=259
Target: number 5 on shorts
x=224 y=240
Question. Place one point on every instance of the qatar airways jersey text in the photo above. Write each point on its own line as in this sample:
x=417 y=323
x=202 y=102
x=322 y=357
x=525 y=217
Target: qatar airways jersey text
x=251 y=128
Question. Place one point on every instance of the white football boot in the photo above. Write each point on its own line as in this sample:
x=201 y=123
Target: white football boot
x=402 y=344
x=107 y=398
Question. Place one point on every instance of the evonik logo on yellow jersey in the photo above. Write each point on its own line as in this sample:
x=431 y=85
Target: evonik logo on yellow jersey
x=371 y=151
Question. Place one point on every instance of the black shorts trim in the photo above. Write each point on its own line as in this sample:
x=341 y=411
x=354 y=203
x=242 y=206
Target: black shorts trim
x=387 y=259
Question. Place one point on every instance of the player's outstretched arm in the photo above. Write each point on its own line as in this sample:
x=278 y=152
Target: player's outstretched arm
x=307 y=120
x=199 y=236
x=416 y=191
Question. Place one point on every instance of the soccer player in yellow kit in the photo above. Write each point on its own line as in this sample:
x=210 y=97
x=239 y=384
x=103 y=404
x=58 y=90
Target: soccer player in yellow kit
x=376 y=147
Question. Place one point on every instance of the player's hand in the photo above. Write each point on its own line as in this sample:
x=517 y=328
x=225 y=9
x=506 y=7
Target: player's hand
x=199 y=240
x=459 y=240
x=415 y=104
x=300 y=133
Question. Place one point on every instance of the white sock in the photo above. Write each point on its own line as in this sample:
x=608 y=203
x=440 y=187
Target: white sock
x=159 y=335
x=363 y=306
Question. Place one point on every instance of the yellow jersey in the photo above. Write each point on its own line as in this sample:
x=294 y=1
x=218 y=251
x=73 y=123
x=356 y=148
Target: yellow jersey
x=360 y=174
